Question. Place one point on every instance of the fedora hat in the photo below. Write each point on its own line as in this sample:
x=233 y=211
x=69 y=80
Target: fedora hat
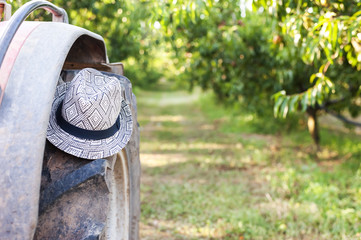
x=89 y=117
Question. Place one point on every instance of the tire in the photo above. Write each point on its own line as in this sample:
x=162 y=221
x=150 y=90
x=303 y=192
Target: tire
x=83 y=199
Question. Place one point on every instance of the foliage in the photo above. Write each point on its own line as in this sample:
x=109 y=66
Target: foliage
x=124 y=28
x=327 y=34
x=217 y=49
x=304 y=53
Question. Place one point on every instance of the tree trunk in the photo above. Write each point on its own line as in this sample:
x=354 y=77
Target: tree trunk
x=312 y=123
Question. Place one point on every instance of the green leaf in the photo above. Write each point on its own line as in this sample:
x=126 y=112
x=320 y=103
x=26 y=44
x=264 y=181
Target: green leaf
x=349 y=35
x=313 y=94
x=319 y=96
x=329 y=83
x=320 y=70
x=329 y=29
x=318 y=25
x=284 y=107
x=278 y=94
x=311 y=50
x=277 y=105
x=304 y=101
x=293 y=103
x=312 y=78
x=334 y=35
x=356 y=14
x=328 y=55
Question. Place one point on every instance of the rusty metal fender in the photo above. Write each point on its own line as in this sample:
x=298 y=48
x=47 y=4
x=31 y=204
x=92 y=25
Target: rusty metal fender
x=24 y=116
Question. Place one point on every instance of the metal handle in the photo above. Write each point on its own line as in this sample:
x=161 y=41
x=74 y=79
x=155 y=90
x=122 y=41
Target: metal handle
x=59 y=15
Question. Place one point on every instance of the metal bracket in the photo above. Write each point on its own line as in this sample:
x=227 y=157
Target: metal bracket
x=5 y=9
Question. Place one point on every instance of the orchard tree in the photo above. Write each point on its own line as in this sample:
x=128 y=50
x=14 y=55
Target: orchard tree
x=216 y=48
x=327 y=34
x=124 y=25
x=306 y=54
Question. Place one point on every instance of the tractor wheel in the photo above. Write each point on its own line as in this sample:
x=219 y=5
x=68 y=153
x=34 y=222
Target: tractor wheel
x=83 y=199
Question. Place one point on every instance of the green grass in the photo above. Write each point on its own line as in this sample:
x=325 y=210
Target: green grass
x=216 y=173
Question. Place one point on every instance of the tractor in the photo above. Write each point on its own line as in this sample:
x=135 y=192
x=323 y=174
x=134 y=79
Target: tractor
x=46 y=193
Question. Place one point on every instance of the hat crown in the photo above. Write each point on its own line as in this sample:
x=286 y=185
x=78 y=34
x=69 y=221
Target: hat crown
x=93 y=101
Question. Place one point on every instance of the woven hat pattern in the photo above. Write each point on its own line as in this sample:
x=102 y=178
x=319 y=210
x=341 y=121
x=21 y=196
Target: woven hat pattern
x=87 y=103
x=91 y=101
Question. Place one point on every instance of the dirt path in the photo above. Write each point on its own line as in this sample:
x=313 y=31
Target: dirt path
x=202 y=180
x=184 y=153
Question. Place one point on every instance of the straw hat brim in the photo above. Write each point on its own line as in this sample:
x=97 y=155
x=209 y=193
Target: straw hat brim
x=85 y=148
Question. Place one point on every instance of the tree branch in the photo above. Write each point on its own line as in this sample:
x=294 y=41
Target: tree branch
x=342 y=118
x=331 y=102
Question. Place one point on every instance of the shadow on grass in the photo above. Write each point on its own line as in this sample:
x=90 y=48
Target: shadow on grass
x=210 y=174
